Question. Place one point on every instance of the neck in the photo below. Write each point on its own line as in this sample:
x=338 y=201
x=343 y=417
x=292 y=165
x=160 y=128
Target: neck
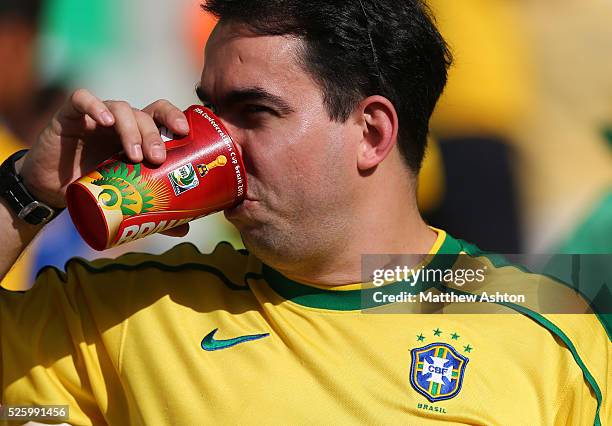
x=384 y=219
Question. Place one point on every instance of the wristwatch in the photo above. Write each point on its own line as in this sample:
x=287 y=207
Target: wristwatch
x=17 y=196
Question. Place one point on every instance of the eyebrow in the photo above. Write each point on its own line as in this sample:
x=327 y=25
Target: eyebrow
x=249 y=94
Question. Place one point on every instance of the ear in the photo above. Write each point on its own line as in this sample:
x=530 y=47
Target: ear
x=378 y=119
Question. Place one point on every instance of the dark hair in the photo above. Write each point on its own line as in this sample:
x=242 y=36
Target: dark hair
x=359 y=48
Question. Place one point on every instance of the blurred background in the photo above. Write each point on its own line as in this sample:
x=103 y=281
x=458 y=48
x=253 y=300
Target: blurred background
x=520 y=158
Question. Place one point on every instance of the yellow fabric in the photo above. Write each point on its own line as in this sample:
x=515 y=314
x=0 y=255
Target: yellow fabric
x=119 y=341
x=19 y=276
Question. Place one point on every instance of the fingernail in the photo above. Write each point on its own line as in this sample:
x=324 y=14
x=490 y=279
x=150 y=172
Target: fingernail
x=182 y=125
x=137 y=152
x=157 y=152
x=107 y=118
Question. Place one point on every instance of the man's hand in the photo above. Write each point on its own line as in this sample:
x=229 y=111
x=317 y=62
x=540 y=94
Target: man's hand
x=84 y=133
x=87 y=131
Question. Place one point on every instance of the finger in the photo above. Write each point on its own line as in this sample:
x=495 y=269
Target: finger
x=152 y=144
x=83 y=103
x=179 y=231
x=167 y=114
x=127 y=129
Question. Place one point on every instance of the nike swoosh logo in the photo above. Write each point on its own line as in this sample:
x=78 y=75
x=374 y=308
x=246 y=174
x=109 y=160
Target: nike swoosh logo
x=209 y=343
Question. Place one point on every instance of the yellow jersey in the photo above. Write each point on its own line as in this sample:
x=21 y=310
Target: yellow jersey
x=187 y=338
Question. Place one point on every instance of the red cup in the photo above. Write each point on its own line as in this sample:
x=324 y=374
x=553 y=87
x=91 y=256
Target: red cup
x=121 y=202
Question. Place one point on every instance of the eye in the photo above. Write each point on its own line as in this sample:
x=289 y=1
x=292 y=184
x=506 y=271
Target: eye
x=257 y=109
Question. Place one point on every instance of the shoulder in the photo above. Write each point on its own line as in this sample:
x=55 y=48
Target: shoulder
x=224 y=262
x=553 y=306
x=108 y=288
x=549 y=300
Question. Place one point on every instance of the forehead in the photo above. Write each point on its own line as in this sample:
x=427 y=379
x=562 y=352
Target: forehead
x=235 y=57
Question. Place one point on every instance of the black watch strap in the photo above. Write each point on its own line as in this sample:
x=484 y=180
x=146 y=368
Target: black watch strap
x=17 y=196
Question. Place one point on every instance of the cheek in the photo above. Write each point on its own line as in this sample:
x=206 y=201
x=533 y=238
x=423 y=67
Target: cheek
x=264 y=155
x=304 y=162
x=330 y=151
x=324 y=165
x=277 y=149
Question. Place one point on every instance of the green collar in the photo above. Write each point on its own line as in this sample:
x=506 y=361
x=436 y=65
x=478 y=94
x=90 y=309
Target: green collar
x=349 y=300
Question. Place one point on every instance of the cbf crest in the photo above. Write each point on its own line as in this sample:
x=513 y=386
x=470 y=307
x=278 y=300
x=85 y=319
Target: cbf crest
x=437 y=371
